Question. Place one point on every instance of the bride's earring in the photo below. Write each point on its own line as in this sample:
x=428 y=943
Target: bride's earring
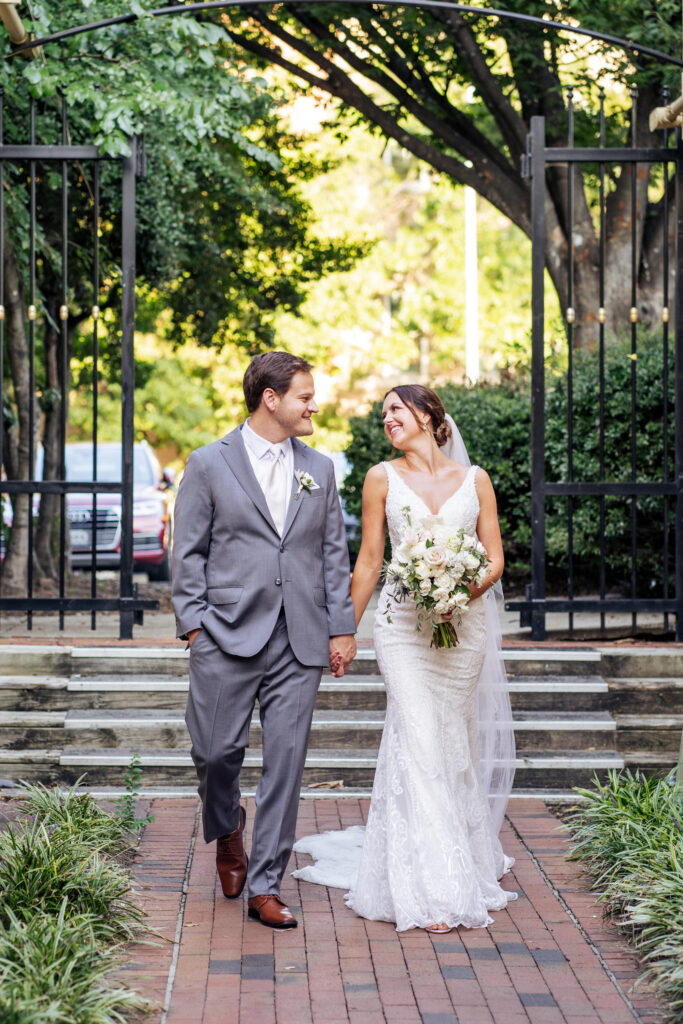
x=424 y=426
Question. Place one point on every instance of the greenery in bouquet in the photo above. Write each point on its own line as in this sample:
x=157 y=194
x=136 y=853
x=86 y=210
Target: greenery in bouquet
x=434 y=565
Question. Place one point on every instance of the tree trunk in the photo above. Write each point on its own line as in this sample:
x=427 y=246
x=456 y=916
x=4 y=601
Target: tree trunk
x=15 y=567
x=48 y=517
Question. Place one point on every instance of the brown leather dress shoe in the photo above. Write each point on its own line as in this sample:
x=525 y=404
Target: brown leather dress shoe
x=231 y=860
x=271 y=910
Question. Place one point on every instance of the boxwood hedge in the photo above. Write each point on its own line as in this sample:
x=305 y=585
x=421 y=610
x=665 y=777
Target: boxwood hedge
x=495 y=422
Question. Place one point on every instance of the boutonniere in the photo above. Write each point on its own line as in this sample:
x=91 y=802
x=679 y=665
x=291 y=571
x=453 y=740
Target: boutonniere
x=305 y=482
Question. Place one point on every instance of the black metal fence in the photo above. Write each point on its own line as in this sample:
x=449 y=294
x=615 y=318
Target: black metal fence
x=653 y=495
x=49 y=189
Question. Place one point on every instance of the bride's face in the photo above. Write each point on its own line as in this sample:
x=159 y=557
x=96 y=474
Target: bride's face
x=400 y=424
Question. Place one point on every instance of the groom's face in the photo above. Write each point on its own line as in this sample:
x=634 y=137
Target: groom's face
x=294 y=409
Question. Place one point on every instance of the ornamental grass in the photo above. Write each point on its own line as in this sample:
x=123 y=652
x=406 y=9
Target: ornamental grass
x=629 y=834
x=65 y=912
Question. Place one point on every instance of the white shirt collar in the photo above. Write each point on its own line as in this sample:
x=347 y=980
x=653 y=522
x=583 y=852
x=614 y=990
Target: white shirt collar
x=260 y=446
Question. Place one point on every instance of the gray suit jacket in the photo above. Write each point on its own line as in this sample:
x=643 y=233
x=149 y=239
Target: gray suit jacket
x=232 y=572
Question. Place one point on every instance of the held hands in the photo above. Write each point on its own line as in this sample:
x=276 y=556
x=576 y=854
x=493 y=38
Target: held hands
x=342 y=653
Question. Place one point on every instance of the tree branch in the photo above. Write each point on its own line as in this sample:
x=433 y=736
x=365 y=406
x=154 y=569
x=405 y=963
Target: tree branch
x=503 y=191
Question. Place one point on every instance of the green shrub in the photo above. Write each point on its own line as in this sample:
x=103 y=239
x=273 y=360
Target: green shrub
x=76 y=814
x=495 y=422
x=42 y=866
x=65 y=910
x=629 y=833
x=617 y=448
x=53 y=968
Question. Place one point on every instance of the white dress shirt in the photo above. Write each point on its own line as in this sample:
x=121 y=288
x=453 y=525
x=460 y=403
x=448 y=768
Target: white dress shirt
x=258 y=450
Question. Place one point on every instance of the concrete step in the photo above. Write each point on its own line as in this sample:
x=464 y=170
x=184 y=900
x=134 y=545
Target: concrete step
x=555 y=693
x=648 y=761
x=551 y=661
x=120 y=661
x=354 y=692
x=537 y=769
x=646 y=695
x=64 y=693
x=642 y=662
x=321 y=792
x=117 y=661
x=657 y=734
x=165 y=729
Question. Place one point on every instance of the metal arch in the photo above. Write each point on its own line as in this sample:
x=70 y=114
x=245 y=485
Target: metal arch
x=176 y=9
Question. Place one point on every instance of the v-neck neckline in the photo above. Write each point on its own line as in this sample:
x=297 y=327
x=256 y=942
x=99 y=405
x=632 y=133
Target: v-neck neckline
x=420 y=498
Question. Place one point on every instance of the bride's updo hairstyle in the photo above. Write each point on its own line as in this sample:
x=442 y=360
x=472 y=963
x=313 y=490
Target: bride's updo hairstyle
x=419 y=398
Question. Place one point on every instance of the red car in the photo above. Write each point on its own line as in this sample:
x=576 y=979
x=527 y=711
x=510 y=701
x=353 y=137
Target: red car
x=152 y=509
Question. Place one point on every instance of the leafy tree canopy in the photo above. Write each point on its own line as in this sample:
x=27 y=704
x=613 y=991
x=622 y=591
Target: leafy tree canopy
x=459 y=91
x=221 y=222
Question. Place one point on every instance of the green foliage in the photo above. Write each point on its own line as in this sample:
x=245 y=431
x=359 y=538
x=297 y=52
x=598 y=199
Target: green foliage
x=77 y=815
x=629 y=834
x=53 y=968
x=65 y=910
x=649 y=423
x=494 y=422
x=126 y=805
x=222 y=229
x=41 y=866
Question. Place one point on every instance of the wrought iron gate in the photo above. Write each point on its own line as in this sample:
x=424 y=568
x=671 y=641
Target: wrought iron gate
x=50 y=167
x=665 y=489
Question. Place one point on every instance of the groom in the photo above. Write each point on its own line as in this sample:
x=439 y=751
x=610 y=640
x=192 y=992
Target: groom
x=261 y=593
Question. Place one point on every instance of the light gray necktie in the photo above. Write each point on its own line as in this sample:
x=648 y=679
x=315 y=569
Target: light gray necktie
x=276 y=489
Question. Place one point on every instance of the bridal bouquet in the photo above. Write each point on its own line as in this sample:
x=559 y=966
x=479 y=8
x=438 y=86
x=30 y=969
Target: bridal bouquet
x=434 y=564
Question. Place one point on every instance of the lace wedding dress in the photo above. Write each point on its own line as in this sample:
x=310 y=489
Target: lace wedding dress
x=430 y=852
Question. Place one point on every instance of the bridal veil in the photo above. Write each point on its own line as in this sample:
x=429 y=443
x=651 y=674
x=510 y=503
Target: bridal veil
x=496 y=726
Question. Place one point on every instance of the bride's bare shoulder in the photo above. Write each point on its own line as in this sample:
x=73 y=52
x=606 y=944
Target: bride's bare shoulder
x=376 y=480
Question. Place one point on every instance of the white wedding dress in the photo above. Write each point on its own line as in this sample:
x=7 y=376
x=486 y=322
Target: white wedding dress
x=430 y=852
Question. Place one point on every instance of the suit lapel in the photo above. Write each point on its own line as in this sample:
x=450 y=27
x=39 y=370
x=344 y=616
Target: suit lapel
x=300 y=452
x=234 y=452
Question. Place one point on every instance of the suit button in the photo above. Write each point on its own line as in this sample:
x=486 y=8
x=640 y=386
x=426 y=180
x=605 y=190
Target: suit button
x=282 y=549
x=278 y=583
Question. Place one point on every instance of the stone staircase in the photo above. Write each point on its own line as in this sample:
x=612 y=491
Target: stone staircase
x=578 y=712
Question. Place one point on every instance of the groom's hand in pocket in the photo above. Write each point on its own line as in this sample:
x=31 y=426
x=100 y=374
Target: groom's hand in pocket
x=342 y=653
x=191 y=636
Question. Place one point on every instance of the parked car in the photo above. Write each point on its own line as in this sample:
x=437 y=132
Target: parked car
x=153 y=495
x=152 y=509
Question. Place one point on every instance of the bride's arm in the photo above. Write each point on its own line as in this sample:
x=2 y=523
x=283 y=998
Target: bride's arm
x=488 y=532
x=368 y=566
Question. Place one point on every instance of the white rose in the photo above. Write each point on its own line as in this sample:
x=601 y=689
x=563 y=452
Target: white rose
x=403 y=553
x=435 y=557
x=461 y=599
x=471 y=561
x=425 y=586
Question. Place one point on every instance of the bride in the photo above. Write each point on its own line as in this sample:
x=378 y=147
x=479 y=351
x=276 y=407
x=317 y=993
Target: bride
x=430 y=856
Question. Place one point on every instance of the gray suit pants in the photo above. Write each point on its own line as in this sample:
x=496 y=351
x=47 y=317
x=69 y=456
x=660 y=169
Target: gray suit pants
x=223 y=692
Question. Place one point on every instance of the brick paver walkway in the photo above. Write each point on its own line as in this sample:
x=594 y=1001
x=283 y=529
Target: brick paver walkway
x=548 y=958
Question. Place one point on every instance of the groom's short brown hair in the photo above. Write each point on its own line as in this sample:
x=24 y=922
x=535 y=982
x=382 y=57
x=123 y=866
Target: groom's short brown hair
x=271 y=370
